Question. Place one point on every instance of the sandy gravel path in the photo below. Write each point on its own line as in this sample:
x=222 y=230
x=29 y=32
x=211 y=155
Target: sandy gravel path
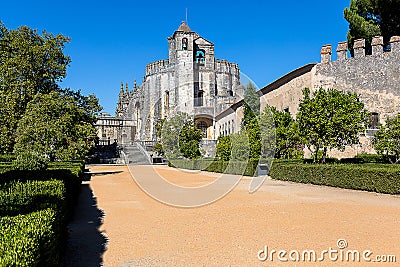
x=231 y=232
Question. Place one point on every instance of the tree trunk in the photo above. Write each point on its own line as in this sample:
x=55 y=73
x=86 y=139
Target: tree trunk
x=316 y=154
x=323 y=160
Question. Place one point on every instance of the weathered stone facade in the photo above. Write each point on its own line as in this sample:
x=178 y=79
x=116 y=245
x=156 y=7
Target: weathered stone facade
x=375 y=78
x=111 y=129
x=191 y=80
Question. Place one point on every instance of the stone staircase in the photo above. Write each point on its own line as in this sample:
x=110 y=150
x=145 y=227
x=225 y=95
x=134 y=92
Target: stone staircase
x=134 y=156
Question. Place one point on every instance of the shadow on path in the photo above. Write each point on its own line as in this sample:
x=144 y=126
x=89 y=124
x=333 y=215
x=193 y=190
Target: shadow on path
x=85 y=244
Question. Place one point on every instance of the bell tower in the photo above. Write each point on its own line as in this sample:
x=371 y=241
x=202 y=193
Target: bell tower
x=181 y=53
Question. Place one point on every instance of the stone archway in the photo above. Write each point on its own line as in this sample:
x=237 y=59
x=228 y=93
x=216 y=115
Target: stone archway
x=205 y=125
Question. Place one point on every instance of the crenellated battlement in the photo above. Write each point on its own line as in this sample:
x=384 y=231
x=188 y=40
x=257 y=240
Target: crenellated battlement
x=359 y=49
x=222 y=65
x=157 y=66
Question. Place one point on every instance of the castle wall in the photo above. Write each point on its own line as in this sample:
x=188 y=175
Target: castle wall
x=376 y=77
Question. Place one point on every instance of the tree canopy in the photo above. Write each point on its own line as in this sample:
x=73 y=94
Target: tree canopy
x=30 y=64
x=288 y=143
x=330 y=119
x=368 y=18
x=180 y=137
x=37 y=117
x=251 y=105
x=55 y=126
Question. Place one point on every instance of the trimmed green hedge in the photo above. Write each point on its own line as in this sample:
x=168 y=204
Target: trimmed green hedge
x=230 y=167
x=41 y=203
x=381 y=178
x=21 y=198
x=7 y=157
x=30 y=239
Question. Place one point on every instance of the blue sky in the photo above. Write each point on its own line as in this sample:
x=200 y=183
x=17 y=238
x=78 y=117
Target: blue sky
x=113 y=41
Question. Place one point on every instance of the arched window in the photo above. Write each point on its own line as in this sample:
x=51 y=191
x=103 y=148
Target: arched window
x=203 y=127
x=230 y=93
x=184 y=43
x=200 y=56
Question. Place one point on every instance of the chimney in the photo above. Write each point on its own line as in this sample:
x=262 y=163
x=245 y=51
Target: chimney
x=134 y=84
x=377 y=45
x=359 y=48
x=342 y=51
x=326 y=52
x=395 y=44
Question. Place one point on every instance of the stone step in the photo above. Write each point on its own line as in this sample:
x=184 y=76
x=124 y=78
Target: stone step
x=135 y=156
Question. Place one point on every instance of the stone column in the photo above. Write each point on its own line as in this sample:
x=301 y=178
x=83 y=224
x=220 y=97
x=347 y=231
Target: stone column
x=377 y=45
x=395 y=44
x=342 y=51
x=359 y=48
x=326 y=53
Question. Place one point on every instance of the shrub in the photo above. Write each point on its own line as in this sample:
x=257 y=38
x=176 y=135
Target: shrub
x=223 y=149
x=372 y=158
x=43 y=201
x=30 y=161
x=7 y=157
x=30 y=239
x=229 y=167
x=377 y=178
x=25 y=197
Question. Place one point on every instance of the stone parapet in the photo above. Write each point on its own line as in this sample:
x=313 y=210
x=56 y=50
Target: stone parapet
x=359 y=49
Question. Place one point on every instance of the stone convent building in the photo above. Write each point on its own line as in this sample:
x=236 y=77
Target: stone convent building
x=191 y=80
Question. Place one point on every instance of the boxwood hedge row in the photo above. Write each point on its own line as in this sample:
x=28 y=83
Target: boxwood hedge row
x=230 y=167
x=35 y=207
x=29 y=239
x=380 y=178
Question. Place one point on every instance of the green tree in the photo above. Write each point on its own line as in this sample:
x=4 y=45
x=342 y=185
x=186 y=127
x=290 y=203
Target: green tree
x=288 y=143
x=368 y=18
x=56 y=126
x=330 y=119
x=30 y=63
x=251 y=105
x=189 y=140
x=223 y=149
x=253 y=132
x=387 y=140
x=180 y=137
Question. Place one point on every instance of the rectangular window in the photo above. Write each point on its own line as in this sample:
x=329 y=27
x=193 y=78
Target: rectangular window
x=374 y=120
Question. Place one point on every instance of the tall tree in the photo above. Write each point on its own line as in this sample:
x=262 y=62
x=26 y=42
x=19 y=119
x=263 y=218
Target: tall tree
x=251 y=107
x=368 y=18
x=288 y=143
x=330 y=119
x=180 y=137
x=30 y=63
x=387 y=140
x=56 y=126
